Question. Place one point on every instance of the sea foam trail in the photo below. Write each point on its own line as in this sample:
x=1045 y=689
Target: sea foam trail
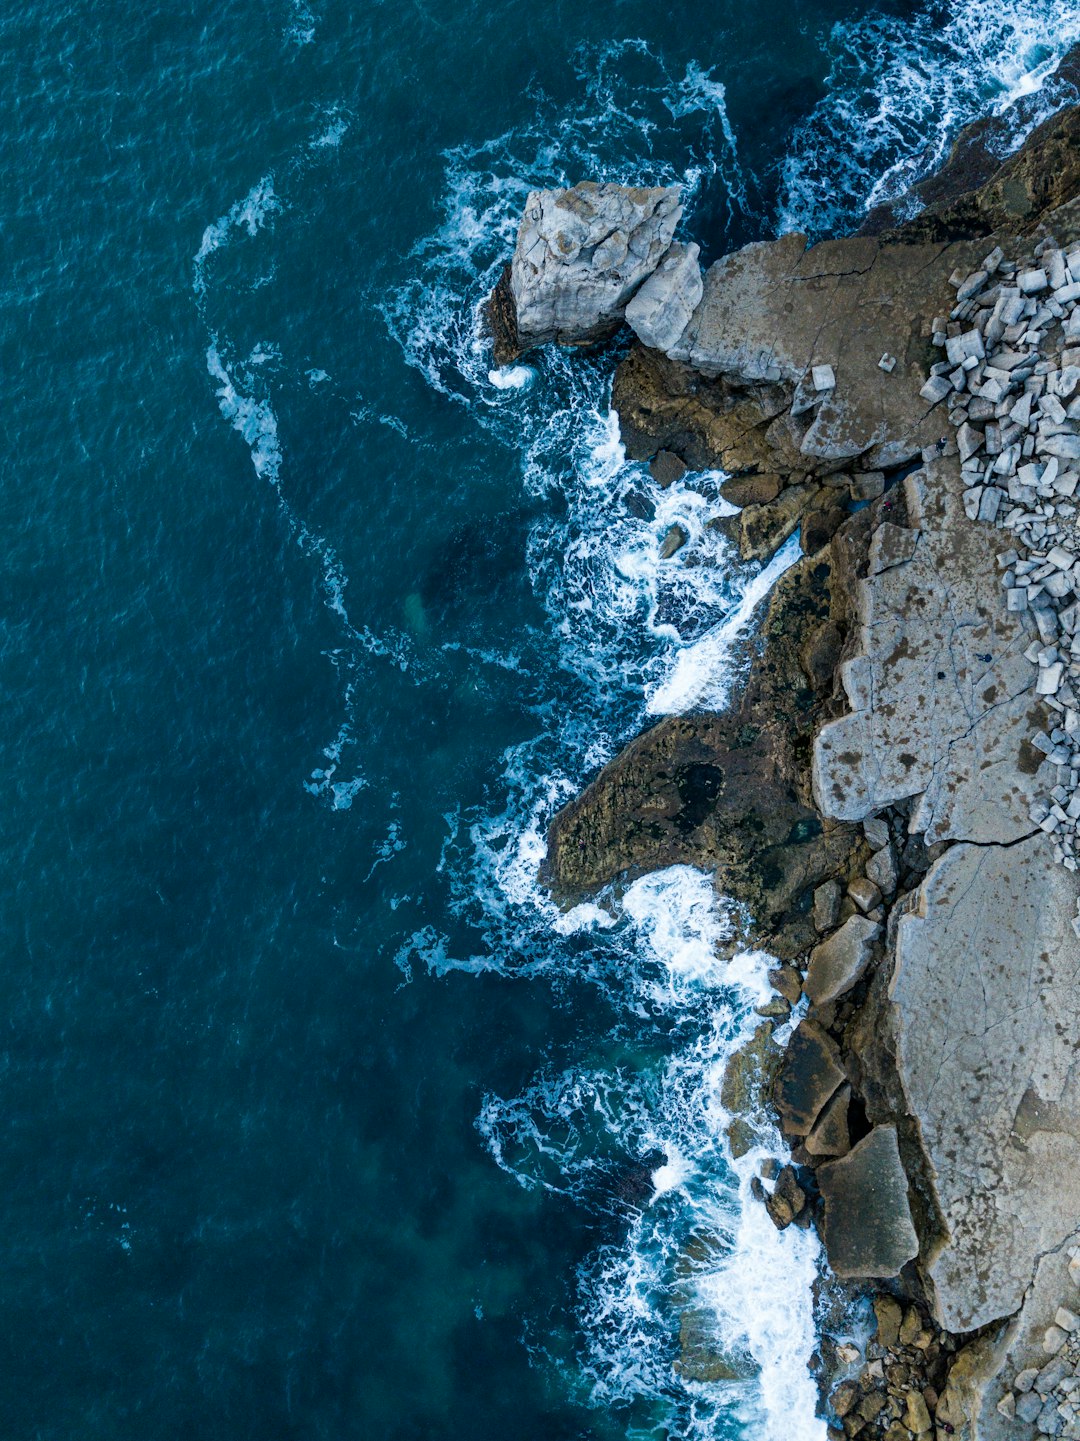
x=633 y=635
x=701 y=1242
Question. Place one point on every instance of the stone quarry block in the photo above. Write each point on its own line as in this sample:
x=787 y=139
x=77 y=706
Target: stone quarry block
x=824 y=377
x=839 y=962
x=867 y=1224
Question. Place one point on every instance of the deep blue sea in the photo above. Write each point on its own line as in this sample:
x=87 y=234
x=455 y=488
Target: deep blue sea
x=318 y=1121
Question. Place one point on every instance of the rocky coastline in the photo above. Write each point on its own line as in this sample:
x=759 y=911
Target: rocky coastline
x=894 y=795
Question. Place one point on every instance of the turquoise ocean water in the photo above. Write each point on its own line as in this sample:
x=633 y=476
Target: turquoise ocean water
x=317 y=1120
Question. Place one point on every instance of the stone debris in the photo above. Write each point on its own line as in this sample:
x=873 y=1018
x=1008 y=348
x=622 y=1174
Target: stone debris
x=824 y=377
x=1048 y=1398
x=1011 y=379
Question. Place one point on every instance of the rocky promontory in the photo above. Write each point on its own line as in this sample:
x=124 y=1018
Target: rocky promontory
x=893 y=795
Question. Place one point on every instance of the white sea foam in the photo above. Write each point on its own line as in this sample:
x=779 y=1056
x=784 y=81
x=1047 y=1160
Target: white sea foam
x=512 y=377
x=634 y=634
x=901 y=88
x=571 y=1132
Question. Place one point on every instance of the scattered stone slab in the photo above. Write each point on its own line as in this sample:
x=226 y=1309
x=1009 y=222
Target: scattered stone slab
x=867 y=1225
x=840 y=962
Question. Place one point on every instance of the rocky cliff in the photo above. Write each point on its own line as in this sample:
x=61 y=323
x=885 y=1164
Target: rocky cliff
x=891 y=793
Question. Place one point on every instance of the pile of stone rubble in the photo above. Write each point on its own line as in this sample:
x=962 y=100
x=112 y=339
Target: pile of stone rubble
x=1011 y=377
x=1049 y=1398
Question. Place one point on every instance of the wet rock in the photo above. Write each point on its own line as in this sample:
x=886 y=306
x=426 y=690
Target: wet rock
x=666 y=468
x=722 y=791
x=673 y=542
x=702 y=1358
x=787 y=1200
x=867 y=1226
x=788 y=981
x=839 y=962
x=748 y=1078
x=810 y=1075
x=830 y=1136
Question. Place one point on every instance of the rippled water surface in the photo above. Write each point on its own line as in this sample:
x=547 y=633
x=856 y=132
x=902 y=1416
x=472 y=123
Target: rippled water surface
x=319 y=1120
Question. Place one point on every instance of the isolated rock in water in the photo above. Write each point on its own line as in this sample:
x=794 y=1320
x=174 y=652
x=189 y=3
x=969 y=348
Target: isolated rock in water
x=661 y=310
x=582 y=254
x=868 y=1228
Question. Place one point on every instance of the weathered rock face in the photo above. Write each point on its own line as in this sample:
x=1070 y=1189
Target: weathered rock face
x=581 y=256
x=976 y=193
x=868 y=1227
x=724 y=791
x=940 y=692
x=991 y=1073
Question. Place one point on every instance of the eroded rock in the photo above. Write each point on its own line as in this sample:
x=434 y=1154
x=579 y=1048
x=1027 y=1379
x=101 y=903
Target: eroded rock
x=867 y=1227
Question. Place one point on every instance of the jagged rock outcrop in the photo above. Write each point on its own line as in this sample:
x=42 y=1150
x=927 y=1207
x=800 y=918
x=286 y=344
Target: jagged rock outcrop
x=582 y=254
x=932 y=1085
x=661 y=309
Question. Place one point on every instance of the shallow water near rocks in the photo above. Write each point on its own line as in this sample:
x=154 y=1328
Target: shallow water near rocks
x=321 y=1121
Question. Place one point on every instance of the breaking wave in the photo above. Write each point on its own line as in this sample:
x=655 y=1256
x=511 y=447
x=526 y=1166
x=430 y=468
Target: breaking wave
x=900 y=90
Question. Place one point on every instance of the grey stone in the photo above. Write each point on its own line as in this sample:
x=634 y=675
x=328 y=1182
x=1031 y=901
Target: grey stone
x=581 y=256
x=867 y=1223
x=883 y=871
x=827 y=900
x=661 y=310
x=998 y=1041
x=839 y=962
x=1029 y=1406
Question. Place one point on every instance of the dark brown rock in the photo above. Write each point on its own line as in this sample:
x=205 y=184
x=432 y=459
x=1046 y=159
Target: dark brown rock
x=787 y=1200
x=724 y=792
x=502 y=318
x=748 y=1079
x=666 y=468
x=975 y=193
x=809 y=1077
x=752 y=489
x=831 y=1136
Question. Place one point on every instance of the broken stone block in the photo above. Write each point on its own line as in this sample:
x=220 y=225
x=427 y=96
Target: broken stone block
x=839 y=962
x=867 y=1225
x=810 y=1075
x=824 y=377
x=831 y=1136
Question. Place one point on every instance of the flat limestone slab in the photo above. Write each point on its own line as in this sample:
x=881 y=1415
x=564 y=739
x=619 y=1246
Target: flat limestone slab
x=774 y=311
x=868 y=1228
x=942 y=699
x=987 y=994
